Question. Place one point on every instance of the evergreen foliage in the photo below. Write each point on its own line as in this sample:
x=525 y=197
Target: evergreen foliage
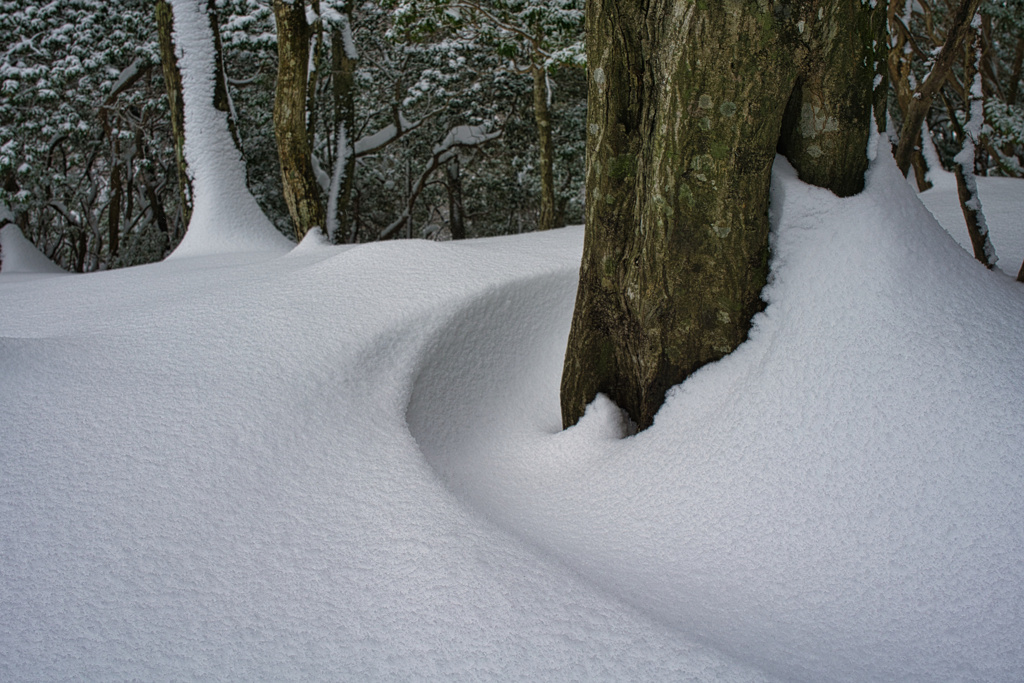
x=87 y=165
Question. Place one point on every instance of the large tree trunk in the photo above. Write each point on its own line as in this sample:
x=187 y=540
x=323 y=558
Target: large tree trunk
x=301 y=192
x=172 y=80
x=546 y=220
x=688 y=102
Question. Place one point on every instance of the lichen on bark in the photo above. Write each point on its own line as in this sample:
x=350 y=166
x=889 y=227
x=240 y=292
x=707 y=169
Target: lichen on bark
x=688 y=103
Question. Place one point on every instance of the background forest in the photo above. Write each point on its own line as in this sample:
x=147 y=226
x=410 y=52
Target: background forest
x=425 y=118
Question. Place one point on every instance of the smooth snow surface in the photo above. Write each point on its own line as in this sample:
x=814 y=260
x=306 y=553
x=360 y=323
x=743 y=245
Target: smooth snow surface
x=1002 y=202
x=347 y=465
x=225 y=216
x=20 y=257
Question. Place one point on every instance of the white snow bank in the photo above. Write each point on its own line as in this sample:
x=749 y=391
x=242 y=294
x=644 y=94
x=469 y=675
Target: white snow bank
x=208 y=469
x=840 y=499
x=205 y=473
x=225 y=216
x=19 y=256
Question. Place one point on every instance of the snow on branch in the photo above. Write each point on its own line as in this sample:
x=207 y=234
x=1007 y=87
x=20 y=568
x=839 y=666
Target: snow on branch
x=386 y=135
x=458 y=136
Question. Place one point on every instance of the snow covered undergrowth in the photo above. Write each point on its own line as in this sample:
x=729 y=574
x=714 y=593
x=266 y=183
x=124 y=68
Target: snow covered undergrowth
x=243 y=467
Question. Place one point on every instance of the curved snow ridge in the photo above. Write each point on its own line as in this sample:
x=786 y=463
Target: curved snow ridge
x=842 y=498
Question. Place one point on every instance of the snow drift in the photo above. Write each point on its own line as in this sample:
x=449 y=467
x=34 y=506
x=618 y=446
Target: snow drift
x=840 y=499
x=321 y=466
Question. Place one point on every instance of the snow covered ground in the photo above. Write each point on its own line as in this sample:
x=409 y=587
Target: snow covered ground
x=346 y=464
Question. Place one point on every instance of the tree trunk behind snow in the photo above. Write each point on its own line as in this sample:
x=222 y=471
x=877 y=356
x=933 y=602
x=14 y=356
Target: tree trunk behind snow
x=453 y=178
x=172 y=80
x=343 y=84
x=221 y=95
x=921 y=102
x=301 y=191
x=964 y=162
x=546 y=220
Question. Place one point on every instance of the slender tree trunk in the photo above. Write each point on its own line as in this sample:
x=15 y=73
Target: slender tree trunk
x=1015 y=73
x=301 y=192
x=156 y=205
x=542 y=115
x=456 y=220
x=899 y=59
x=964 y=166
x=316 y=62
x=921 y=102
x=343 y=85
x=221 y=94
x=172 y=79
x=688 y=102
x=114 y=208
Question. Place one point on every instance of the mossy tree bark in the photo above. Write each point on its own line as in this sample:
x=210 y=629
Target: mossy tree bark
x=172 y=81
x=542 y=116
x=301 y=192
x=688 y=103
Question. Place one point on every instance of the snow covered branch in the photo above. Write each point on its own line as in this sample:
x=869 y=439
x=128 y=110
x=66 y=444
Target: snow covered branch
x=458 y=136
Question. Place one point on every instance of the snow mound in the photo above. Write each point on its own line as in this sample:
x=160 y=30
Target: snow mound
x=842 y=498
x=19 y=256
x=205 y=472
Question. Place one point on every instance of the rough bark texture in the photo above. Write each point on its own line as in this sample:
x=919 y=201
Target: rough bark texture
x=172 y=80
x=542 y=115
x=688 y=102
x=301 y=192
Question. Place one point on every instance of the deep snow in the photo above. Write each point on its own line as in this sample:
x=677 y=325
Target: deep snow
x=346 y=463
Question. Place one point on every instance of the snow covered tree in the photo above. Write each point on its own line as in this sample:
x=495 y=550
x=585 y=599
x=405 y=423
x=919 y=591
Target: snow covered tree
x=225 y=216
x=688 y=103
x=532 y=37
x=916 y=101
x=970 y=135
x=84 y=143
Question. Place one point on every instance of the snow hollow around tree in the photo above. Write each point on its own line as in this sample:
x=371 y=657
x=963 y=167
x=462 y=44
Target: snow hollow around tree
x=346 y=463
